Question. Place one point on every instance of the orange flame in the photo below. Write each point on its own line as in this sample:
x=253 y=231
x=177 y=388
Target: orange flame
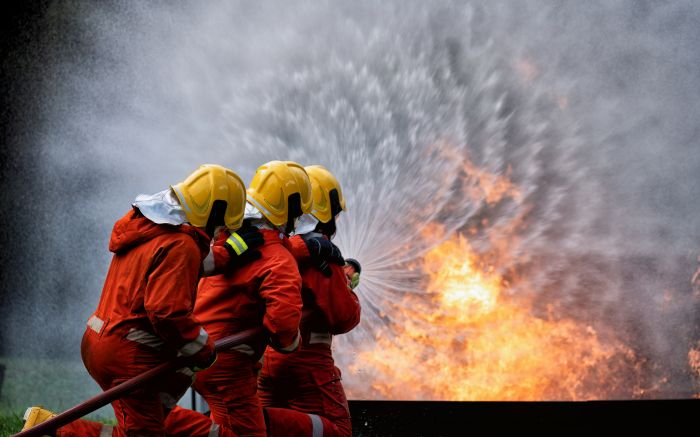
x=467 y=339
x=488 y=186
x=694 y=363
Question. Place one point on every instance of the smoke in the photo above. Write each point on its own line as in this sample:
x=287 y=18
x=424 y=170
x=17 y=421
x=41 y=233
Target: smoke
x=589 y=108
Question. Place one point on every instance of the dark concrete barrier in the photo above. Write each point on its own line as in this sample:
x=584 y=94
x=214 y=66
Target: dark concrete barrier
x=436 y=419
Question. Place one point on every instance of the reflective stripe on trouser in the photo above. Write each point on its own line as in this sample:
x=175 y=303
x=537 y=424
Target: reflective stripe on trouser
x=145 y=338
x=230 y=389
x=284 y=422
x=312 y=388
x=111 y=360
x=183 y=422
x=153 y=341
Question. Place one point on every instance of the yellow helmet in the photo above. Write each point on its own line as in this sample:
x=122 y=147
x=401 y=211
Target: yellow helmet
x=206 y=185
x=326 y=203
x=272 y=186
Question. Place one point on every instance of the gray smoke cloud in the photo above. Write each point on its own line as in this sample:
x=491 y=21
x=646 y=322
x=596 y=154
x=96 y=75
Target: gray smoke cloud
x=590 y=107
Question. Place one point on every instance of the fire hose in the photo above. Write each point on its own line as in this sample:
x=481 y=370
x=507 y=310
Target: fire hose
x=122 y=389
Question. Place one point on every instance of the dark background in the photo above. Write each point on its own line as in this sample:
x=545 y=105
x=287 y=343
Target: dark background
x=23 y=44
x=38 y=44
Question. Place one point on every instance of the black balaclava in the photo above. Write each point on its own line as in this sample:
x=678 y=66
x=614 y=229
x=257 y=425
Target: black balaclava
x=329 y=229
x=216 y=217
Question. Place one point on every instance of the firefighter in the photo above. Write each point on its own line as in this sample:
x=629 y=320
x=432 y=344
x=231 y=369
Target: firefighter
x=266 y=292
x=144 y=316
x=302 y=392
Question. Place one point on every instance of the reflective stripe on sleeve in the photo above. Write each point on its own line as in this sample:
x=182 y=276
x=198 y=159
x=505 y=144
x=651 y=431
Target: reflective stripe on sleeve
x=96 y=324
x=320 y=337
x=316 y=425
x=195 y=345
x=145 y=338
x=292 y=347
x=237 y=243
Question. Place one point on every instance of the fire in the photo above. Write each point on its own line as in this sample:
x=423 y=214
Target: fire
x=694 y=363
x=467 y=338
x=694 y=360
x=480 y=184
x=460 y=288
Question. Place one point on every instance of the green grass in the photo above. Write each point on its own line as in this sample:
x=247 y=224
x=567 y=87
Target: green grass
x=55 y=384
x=10 y=423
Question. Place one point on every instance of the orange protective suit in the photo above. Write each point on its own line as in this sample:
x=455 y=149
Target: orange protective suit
x=144 y=318
x=86 y=428
x=301 y=392
x=264 y=292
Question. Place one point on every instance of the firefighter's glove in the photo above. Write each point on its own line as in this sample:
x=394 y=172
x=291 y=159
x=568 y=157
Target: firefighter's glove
x=241 y=245
x=354 y=280
x=321 y=248
x=352 y=272
x=324 y=268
